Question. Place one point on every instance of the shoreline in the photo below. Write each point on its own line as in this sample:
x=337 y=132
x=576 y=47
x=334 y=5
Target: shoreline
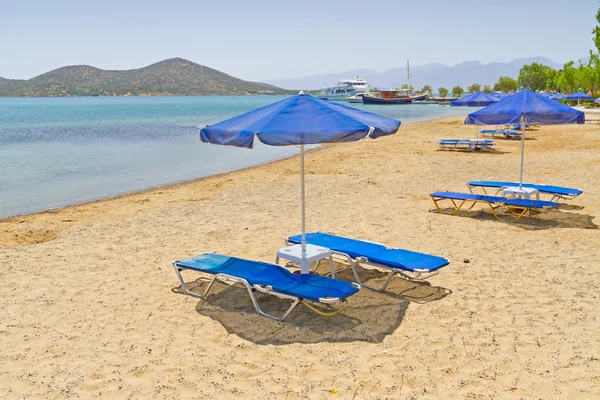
x=183 y=182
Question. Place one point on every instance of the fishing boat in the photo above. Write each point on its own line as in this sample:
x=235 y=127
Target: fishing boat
x=399 y=96
x=344 y=89
x=387 y=97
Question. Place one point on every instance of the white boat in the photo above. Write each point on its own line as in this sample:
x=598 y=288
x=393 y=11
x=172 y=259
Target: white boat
x=344 y=89
x=357 y=98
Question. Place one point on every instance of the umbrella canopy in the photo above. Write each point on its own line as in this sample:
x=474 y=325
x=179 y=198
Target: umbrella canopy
x=525 y=108
x=477 y=99
x=579 y=96
x=299 y=120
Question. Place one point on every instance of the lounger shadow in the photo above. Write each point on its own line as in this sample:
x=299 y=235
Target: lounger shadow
x=370 y=318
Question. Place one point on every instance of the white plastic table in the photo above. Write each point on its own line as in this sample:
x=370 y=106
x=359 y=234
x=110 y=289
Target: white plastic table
x=515 y=192
x=313 y=253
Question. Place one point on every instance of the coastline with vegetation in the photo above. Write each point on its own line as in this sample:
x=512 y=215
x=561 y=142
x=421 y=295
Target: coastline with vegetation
x=172 y=77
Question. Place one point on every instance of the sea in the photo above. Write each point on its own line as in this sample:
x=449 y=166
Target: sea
x=56 y=151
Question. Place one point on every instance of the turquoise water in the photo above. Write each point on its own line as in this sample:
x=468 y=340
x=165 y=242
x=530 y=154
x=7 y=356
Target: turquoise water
x=60 y=151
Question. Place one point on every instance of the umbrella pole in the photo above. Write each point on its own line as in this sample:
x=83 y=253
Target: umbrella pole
x=522 y=150
x=304 y=267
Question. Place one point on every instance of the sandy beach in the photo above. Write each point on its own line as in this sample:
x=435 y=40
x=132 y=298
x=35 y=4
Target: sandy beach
x=91 y=307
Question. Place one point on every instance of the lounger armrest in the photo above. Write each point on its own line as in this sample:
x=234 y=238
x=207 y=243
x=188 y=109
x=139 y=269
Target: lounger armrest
x=332 y=300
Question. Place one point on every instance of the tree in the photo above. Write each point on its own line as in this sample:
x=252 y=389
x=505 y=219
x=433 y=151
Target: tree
x=567 y=80
x=427 y=88
x=406 y=86
x=552 y=80
x=457 y=91
x=476 y=87
x=506 y=84
x=443 y=92
x=534 y=77
x=487 y=89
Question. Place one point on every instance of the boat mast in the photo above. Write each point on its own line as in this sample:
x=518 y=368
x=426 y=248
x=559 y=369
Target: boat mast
x=408 y=76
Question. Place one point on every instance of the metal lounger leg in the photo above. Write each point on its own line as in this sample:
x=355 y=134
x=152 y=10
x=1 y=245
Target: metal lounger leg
x=493 y=210
x=186 y=290
x=460 y=206
x=435 y=202
x=353 y=263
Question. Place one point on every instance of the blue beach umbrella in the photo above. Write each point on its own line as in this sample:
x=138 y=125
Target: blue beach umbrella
x=477 y=99
x=299 y=120
x=579 y=96
x=525 y=108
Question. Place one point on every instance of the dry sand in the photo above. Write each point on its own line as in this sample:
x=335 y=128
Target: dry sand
x=91 y=306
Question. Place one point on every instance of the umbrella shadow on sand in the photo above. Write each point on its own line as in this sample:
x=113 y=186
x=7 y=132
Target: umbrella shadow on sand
x=369 y=317
x=545 y=220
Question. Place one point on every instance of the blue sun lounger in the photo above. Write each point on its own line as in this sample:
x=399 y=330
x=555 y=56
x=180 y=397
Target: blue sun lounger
x=466 y=144
x=557 y=192
x=517 y=207
x=410 y=264
x=507 y=133
x=270 y=279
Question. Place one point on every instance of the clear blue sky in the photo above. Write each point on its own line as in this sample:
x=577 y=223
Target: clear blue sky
x=260 y=40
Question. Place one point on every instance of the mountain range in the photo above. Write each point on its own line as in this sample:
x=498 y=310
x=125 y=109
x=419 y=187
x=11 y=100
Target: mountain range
x=174 y=76
x=435 y=75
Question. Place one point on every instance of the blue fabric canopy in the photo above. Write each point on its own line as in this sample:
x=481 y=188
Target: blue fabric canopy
x=300 y=119
x=579 y=96
x=597 y=100
x=531 y=107
x=477 y=99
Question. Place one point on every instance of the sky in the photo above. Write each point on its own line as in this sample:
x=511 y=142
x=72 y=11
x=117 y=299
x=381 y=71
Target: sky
x=262 y=39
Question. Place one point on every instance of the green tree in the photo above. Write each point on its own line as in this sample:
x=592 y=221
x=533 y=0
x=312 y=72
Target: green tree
x=506 y=84
x=552 y=80
x=457 y=91
x=443 y=91
x=476 y=87
x=427 y=88
x=487 y=89
x=406 y=86
x=534 y=77
x=567 y=80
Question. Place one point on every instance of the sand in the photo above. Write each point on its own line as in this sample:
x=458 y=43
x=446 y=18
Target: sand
x=91 y=307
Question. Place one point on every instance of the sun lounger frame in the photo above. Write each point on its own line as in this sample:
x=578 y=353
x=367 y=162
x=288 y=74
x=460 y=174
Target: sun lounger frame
x=555 y=196
x=506 y=133
x=517 y=211
x=417 y=275
x=466 y=144
x=251 y=289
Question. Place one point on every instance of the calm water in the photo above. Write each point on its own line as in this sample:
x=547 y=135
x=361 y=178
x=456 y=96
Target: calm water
x=60 y=151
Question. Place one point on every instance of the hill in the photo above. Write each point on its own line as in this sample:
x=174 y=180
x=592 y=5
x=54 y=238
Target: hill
x=174 y=76
x=434 y=74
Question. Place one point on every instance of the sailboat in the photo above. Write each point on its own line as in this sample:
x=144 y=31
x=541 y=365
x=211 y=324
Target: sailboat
x=402 y=96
